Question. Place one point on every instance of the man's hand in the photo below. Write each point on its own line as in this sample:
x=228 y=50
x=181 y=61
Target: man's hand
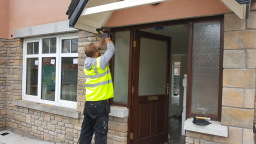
x=104 y=35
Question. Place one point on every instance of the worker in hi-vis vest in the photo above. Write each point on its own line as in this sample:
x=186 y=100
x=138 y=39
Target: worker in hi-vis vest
x=99 y=88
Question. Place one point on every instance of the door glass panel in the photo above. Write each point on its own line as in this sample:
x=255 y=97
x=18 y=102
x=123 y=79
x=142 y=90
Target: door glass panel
x=69 y=70
x=205 y=68
x=152 y=68
x=121 y=70
x=32 y=76
x=48 y=78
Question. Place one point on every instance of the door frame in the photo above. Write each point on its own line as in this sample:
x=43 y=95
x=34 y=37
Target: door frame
x=135 y=72
x=132 y=30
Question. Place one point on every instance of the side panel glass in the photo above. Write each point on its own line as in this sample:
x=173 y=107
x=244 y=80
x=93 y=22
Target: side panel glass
x=121 y=70
x=152 y=69
x=32 y=76
x=48 y=78
x=205 y=68
x=69 y=70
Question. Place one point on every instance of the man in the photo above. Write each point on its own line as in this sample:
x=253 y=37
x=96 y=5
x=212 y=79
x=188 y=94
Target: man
x=99 y=88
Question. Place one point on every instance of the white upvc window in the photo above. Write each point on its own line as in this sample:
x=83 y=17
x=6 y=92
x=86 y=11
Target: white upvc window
x=50 y=70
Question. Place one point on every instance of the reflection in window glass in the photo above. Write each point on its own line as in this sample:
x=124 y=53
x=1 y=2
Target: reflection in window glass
x=65 y=46
x=121 y=70
x=49 y=45
x=46 y=43
x=53 y=45
x=74 y=45
x=32 y=76
x=69 y=70
x=36 y=47
x=30 y=48
x=205 y=68
x=48 y=78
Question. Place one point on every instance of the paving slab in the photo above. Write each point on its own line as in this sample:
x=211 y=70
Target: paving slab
x=8 y=137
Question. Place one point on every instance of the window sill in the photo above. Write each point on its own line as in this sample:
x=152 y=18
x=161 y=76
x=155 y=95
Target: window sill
x=215 y=128
x=120 y=112
x=48 y=108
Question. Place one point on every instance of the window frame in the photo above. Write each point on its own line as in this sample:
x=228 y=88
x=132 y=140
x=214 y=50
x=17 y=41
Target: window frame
x=58 y=55
x=189 y=80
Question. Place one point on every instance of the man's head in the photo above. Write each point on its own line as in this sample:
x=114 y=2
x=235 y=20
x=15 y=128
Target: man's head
x=92 y=50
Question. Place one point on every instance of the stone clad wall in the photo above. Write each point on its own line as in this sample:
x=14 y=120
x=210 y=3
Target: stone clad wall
x=118 y=127
x=3 y=62
x=238 y=98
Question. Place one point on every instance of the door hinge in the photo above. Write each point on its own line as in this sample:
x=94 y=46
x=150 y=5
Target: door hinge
x=131 y=135
x=134 y=43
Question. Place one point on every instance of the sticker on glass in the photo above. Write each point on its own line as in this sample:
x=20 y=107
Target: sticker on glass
x=52 y=61
x=75 y=61
x=36 y=62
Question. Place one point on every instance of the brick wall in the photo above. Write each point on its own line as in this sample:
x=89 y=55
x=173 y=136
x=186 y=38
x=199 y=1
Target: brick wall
x=3 y=57
x=44 y=125
x=238 y=98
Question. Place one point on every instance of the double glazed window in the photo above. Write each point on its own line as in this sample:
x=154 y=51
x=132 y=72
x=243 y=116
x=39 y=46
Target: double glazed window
x=51 y=68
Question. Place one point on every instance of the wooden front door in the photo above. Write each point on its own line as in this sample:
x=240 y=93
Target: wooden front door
x=151 y=86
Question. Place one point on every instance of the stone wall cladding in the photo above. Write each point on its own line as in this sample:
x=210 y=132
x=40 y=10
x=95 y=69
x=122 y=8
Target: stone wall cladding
x=44 y=125
x=239 y=76
x=118 y=127
x=3 y=67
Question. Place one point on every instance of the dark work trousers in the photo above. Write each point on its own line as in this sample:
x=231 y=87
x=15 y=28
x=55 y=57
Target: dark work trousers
x=95 y=121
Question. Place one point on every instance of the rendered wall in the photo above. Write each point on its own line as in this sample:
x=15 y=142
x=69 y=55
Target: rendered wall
x=4 y=18
x=26 y=13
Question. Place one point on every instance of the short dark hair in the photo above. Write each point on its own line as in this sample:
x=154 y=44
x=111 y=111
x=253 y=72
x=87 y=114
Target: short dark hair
x=90 y=50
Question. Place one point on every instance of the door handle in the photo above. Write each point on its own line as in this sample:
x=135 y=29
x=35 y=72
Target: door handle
x=167 y=88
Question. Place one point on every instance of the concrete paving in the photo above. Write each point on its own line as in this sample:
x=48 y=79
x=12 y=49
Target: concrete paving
x=8 y=137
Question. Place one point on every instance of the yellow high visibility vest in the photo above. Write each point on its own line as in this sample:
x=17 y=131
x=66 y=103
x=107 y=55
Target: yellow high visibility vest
x=98 y=83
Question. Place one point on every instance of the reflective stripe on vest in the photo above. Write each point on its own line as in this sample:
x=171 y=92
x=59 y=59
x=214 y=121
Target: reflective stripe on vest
x=98 y=84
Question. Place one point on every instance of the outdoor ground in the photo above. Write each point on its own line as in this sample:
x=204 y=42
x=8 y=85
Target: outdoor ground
x=8 y=137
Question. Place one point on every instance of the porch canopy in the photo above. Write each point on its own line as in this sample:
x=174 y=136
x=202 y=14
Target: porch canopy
x=240 y=7
x=91 y=14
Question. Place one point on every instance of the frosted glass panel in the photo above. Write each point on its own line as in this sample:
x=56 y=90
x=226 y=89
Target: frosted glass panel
x=152 y=70
x=121 y=70
x=205 y=68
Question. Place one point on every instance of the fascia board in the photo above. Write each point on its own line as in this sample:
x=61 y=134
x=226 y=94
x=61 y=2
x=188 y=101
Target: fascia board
x=117 y=6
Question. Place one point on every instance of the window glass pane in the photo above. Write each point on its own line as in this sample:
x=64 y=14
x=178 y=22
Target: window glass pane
x=121 y=70
x=53 y=45
x=74 y=45
x=32 y=76
x=69 y=70
x=46 y=43
x=65 y=46
x=36 y=47
x=205 y=68
x=48 y=78
x=30 y=48
x=152 y=72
